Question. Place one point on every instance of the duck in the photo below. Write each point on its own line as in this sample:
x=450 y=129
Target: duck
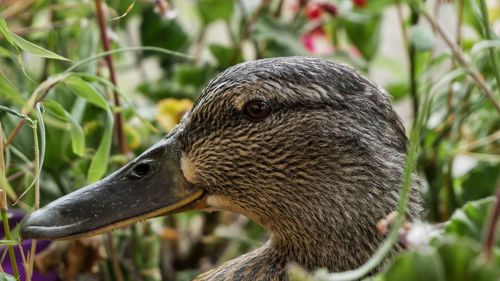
x=306 y=147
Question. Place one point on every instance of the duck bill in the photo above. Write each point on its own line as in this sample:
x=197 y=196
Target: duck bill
x=150 y=185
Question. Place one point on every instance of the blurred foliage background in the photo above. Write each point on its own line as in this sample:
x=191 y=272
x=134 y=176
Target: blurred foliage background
x=100 y=111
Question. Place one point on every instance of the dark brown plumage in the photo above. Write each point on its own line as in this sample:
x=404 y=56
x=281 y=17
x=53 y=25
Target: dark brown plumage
x=307 y=148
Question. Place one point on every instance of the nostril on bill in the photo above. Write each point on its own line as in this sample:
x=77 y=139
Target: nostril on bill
x=141 y=169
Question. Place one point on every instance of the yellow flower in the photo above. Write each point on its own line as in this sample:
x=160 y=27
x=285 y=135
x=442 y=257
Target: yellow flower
x=493 y=11
x=133 y=137
x=170 y=111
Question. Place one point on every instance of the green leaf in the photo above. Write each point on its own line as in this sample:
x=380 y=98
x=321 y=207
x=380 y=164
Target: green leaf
x=416 y=265
x=286 y=44
x=422 y=38
x=469 y=221
x=154 y=30
x=363 y=30
x=26 y=45
x=377 y=5
x=462 y=259
x=457 y=257
x=6 y=277
x=85 y=90
x=76 y=131
x=212 y=10
x=195 y=75
x=99 y=163
x=226 y=56
x=8 y=91
x=398 y=90
x=480 y=182
x=4 y=52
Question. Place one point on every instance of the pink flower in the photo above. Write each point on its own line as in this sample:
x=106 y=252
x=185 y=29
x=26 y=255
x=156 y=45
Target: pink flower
x=360 y=3
x=329 y=8
x=317 y=42
x=313 y=11
x=308 y=42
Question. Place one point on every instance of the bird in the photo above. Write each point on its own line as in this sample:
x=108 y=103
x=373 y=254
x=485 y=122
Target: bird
x=306 y=147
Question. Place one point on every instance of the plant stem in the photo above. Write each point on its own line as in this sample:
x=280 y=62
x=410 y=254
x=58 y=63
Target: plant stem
x=127 y=49
x=122 y=144
x=39 y=155
x=488 y=35
x=489 y=240
x=412 y=55
x=459 y=55
x=27 y=108
x=49 y=85
x=5 y=220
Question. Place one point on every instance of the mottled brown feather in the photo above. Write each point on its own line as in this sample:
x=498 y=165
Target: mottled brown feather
x=317 y=173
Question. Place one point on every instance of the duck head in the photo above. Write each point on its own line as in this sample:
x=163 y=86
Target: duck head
x=305 y=147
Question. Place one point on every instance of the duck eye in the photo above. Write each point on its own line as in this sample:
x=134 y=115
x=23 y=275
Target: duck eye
x=257 y=109
x=141 y=169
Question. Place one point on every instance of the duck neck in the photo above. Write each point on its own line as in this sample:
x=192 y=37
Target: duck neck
x=334 y=249
x=322 y=231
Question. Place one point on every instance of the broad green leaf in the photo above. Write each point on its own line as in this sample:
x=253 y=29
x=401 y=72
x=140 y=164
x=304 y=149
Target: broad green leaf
x=481 y=182
x=131 y=108
x=6 y=277
x=6 y=33
x=85 y=90
x=26 y=45
x=192 y=75
x=422 y=38
x=398 y=90
x=469 y=221
x=377 y=5
x=9 y=242
x=212 y=10
x=416 y=265
x=226 y=56
x=76 y=131
x=363 y=30
x=99 y=163
x=286 y=44
x=4 y=52
x=457 y=257
x=154 y=30
x=462 y=259
x=8 y=91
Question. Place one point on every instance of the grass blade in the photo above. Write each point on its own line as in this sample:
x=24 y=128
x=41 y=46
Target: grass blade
x=99 y=163
x=76 y=131
x=26 y=45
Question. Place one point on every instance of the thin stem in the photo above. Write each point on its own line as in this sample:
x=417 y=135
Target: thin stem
x=460 y=56
x=248 y=27
x=31 y=255
x=114 y=258
x=489 y=36
x=21 y=123
x=3 y=210
x=122 y=144
x=127 y=49
x=402 y=23
x=489 y=240
x=46 y=87
x=412 y=55
x=8 y=235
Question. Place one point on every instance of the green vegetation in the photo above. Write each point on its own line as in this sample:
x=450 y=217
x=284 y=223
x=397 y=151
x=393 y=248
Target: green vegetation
x=74 y=108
